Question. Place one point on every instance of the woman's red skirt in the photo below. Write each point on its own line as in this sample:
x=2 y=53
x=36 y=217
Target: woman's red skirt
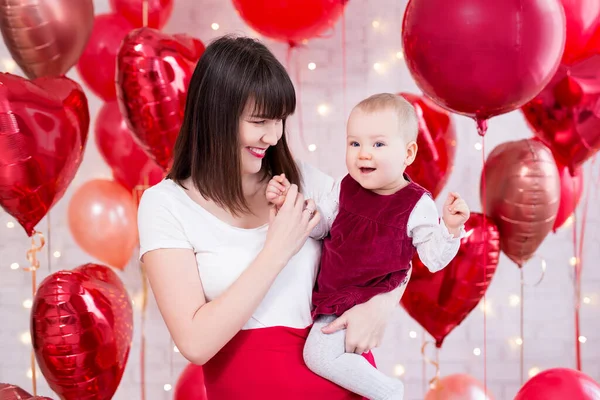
x=267 y=364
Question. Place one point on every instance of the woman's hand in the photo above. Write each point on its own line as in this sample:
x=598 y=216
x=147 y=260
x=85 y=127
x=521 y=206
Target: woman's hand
x=366 y=323
x=290 y=225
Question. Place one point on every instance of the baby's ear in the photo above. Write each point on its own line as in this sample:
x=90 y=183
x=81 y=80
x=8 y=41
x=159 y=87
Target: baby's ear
x=411 y=153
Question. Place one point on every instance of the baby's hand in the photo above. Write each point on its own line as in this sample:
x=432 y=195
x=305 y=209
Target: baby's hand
x=455 y=213
x=277 y=189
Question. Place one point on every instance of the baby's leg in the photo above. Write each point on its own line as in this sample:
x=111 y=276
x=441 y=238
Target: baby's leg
x=325 y=355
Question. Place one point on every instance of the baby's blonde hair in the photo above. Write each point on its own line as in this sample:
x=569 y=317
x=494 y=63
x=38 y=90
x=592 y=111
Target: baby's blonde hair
x=407 y=117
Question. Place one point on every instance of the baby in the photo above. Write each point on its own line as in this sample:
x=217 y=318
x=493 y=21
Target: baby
x=372 y=222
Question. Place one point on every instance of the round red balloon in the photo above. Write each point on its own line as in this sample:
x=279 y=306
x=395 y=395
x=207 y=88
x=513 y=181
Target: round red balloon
x=190 y=385
x=290 y=21
x=458 y=387
x=12 y=392
x=43 y=132
x=81 y=331
x=130 y=165
x=559 y=384
x=483 y=58
x=583 y=22
x=159 y=11
x=436 y=142
x=97 y=64
x=441 y=301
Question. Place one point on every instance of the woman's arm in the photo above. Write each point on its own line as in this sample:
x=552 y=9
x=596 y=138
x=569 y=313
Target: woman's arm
x=365 y=323
x=199 y=328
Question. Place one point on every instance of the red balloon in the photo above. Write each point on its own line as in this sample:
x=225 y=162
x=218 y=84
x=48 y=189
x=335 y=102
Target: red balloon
x=559 y=384
x=290 y=21
x=97 y=64
x=154 y=70
x=81 y=330
x=12 y=392
x=436 y=143
x=130 y=165
x=571 y=188
x=190 y=385
x=565 y=114
x=441 y=301
x=159 y=12
x=583 y=22
x=42 y=136
x=483 y=58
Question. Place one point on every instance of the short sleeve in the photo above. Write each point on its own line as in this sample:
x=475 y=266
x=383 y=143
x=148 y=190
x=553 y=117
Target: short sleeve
x=158 y=225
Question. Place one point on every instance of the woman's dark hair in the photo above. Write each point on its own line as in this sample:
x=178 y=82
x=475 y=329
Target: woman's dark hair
x=231 y=72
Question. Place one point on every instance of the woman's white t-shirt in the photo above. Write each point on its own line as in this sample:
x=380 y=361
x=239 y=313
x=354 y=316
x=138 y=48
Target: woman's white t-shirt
x=169 y=218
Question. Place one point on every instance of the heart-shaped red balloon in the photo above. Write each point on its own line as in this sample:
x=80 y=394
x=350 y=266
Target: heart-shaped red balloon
x=441 y=301
x=566 y=114
x=130 y=165
x=153 y=73
x=81 y=330
x=43 y=131
x=571 y=189
x=12 y=392
x=436 y=143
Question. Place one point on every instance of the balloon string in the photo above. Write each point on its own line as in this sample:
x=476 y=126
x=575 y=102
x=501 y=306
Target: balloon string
x=49 y=252
x=34 y=266
x=436 y=364
x=299 y=102
x=481 y=128
x=522 y=327
x=344 y=66
x=145 y=13
x=579 y=267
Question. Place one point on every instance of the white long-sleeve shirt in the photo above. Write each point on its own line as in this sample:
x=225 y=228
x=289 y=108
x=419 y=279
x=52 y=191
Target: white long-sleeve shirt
x=435 y=245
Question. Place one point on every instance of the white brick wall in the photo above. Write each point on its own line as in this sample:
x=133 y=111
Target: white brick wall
x=549 y=332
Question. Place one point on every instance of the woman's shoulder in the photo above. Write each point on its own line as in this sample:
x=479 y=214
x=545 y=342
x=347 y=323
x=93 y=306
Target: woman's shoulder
x=163 y=195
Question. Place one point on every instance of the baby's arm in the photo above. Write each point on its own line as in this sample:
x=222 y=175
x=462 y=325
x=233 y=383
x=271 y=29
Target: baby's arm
x=327 y=205
x=435 y=245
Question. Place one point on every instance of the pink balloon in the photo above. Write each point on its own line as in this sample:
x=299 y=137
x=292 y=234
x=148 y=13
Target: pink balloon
x=103 y=221
x=559 y=384
x=458 y=387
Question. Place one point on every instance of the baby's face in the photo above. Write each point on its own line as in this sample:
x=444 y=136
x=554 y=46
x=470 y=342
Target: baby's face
x=376 y=151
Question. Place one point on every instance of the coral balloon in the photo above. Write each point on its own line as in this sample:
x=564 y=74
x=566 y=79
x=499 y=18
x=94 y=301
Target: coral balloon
x=154 y=70
x=81 y=331
x=458 y=387
x=520 y=188
x=436 y=142
x=190 y=385
x=130 y=165
x=441 y=301
x=159 y=11
x=559 y=384
x=571 y=188
x=565 y=114
x=583 y=21
x=483 y=58
x=46 y=38
x=103 y=221
x=290 y=21
x=12 y=392
x=98 y=62
x=43 y=131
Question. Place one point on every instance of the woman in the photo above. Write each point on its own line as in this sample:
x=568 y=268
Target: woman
x=232 y=280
